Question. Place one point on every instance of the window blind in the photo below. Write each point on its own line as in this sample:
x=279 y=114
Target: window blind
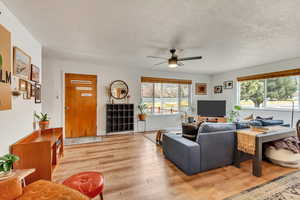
x=164 y=80
x=291 y=72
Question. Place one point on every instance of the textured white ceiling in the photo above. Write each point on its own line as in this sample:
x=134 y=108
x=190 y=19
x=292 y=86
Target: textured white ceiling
x=229 y=34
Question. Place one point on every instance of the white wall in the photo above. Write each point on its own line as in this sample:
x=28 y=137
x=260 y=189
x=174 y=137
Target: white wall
x=231 y=95
x=53 y=94
x=18 y=122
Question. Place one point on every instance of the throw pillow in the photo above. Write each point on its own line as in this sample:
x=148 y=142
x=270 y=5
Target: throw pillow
x=242 y=124
x=190 y=130
x=264 y=118
x=255 y=123
x=271 y=122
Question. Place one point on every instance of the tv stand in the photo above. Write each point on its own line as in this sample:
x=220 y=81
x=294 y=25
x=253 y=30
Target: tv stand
x=212 y=119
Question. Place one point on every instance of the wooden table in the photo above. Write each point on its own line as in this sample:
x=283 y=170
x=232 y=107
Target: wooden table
x=274 y=133
x=21 y=174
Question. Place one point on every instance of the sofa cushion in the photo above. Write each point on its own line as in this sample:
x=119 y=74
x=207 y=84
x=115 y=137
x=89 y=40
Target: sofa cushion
x=242 y=125
x=271 y=122
x=255 y=123
x=247 y=124
x=216 y=127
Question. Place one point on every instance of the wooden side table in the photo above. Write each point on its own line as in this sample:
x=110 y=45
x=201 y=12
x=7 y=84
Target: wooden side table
x=274 y=133
x=145 y=124
x=159 y=135
x=21 y=174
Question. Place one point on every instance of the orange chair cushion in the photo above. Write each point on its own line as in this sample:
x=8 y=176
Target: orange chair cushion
x=89 y=183
x=10 y=189
x=47 y=190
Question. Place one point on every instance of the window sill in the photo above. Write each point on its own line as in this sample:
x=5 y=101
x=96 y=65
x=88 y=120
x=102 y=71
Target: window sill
x=162 y=114
x=272 y=109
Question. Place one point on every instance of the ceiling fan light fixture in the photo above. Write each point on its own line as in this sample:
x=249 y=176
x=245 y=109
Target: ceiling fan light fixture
x=173 y=63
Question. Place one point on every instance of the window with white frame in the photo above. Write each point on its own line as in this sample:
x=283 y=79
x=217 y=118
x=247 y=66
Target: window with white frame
x=273 y=93
x=166 y=98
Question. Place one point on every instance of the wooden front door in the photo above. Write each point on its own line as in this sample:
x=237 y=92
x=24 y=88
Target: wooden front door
x=80 y=105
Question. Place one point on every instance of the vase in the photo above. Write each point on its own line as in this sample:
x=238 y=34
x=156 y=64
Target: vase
x=142 y=117
x=44 y=125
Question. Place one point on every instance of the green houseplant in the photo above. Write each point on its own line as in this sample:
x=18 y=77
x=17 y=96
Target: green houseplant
x=6 y=164
x=142 y=108
x=43 y=119
x=234 y=113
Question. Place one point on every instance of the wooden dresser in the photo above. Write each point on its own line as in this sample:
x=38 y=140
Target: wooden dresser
x=41 y=150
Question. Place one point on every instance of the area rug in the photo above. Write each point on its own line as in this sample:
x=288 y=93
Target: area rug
x=152 y=136
x=82 y=140
x=286 y=187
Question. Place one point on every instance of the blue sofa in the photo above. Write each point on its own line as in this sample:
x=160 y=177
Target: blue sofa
x=213 y=148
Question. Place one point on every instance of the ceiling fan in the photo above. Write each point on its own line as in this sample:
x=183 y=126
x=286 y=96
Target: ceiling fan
x=174 y=61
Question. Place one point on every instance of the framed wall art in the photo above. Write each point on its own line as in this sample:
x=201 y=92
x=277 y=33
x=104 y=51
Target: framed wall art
x=38 y=90
x=28 y=93
x=218 y=89
x=201 y=89
x=228 y=85
x=5 y=69
x=23 y=85
x=32 y=90
x=22 y=64
x=35 y=74
x=26 y=96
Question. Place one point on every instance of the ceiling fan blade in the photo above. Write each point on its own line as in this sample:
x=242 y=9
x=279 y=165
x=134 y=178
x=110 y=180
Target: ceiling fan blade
x=157 y=57
x=190 y=58
x=180 y=64
x=160 y=63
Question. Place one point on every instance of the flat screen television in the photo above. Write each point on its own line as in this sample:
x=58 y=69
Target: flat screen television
x=211 y=108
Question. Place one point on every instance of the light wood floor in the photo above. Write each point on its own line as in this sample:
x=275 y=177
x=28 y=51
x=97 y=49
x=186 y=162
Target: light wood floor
x=135 y=169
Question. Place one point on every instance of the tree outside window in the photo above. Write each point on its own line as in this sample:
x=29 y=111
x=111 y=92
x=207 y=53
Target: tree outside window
x=270 y=93
x=252 y=93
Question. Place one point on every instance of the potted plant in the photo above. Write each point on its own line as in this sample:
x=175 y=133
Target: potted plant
x=43 y=120
x=142 y=108
x=234 y=114
x=6 y=164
